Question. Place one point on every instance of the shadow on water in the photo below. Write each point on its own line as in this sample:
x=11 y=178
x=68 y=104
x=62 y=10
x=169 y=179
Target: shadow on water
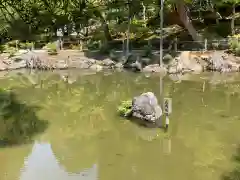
x=147 y=124
x=18 y=121
x=235 y=173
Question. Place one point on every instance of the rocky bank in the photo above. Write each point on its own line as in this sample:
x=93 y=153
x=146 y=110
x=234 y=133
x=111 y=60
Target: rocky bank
x=187 y=61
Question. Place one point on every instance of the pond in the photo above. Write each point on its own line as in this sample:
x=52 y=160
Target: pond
x=84 y=138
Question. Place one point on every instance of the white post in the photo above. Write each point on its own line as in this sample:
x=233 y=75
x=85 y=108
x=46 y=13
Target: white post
x=161 y=52
x=33 y=46
x=205 y=45
x=167 y=111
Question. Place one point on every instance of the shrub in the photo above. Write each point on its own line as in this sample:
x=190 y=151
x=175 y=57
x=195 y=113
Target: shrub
x=11 y=50
x=93 y=45
x=12 y=43
x=75 y=47
x=233 y=43
x=147 y=51
x=27 y=45
x=237 y=50
x=2 y=48
x=215 y=45
x=167 y=59
x=51 y=48
x=234 y=46
x=125 y=108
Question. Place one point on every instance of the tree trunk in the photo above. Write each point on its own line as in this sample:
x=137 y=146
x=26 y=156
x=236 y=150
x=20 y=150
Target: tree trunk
x=106 y=30
x=144 y=14
x=183 y=12
x=105 y=26
x=233 y=20
x=128 y=29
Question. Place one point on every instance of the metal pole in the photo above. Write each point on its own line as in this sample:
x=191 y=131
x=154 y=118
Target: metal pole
x=161 y=53
x=161 y=33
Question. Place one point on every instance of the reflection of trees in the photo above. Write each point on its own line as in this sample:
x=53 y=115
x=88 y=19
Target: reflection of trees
x=18 y=121
x=205 y=124
x=123 y=156
x=43 y=164
x=12 y=160
x=235 y=173
x=77 y=154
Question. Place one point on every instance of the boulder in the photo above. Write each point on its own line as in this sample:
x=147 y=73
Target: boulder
x=146 y=107
x=34 y=60
x=118 y=66
x=96 y=67
x=108 y=62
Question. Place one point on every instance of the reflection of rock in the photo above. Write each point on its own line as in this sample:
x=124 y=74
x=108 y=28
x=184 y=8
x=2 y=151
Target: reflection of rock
x=146 y=107
x=11 y=160
x=42 y=164
x=96 y=67
x=154 y=68
x=190 y=61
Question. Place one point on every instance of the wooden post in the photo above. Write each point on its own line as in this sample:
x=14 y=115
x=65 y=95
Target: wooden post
x=175 y=45
x=80 y=44
x=16 y=44
x=205 y=45
x=149 y=43
x=167 y=145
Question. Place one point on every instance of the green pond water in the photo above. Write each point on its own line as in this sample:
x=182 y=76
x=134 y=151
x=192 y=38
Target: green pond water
x=82 y=136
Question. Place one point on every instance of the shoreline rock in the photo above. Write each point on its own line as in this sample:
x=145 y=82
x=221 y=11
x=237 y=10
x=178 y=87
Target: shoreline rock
x=186 y=62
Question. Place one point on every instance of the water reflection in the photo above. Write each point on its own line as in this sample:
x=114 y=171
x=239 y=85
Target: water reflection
x=42 y=164
x=203 y=128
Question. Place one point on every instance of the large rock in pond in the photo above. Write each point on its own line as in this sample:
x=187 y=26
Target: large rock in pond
x=146 y=107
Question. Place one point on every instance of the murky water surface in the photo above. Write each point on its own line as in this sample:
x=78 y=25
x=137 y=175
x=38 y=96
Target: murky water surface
x=82 y=137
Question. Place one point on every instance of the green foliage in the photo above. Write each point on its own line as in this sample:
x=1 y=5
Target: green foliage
x=93 y=45
x=26 y=45
x=100 y=21
x=12 y=44
x=234 y=45
x=18 y=121
x=147 y=51
x=215 y=45
x=124 y=109
x=2 y=48
x=51 y=48
x=11 y=50
x=75 y=47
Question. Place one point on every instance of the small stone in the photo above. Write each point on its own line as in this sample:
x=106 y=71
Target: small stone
x=154 y=68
